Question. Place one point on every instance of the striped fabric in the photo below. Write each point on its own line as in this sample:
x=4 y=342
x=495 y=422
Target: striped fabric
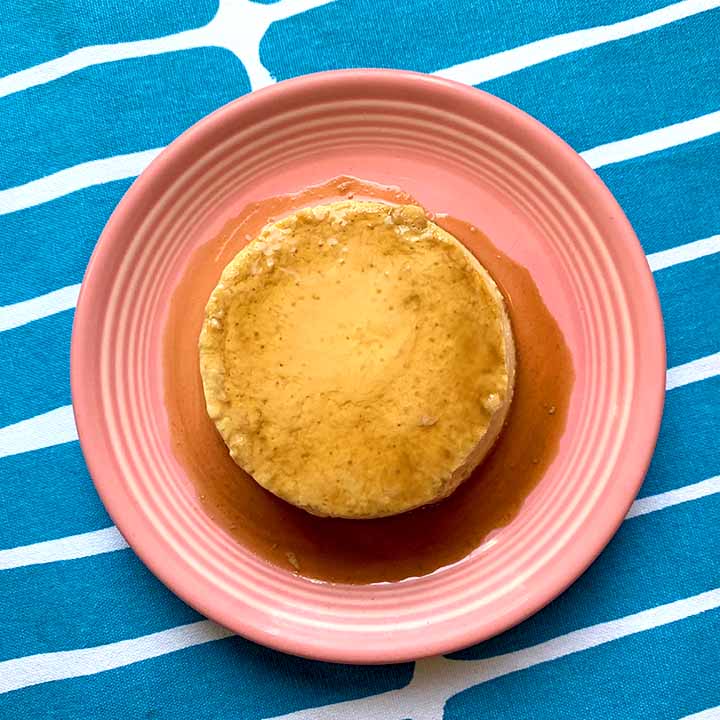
x=89 y=92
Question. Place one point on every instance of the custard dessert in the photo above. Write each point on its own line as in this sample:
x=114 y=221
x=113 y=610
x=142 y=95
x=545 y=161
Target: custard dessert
x=357 y=360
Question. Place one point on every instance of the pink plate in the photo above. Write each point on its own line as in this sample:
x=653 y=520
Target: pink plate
x=457 y=150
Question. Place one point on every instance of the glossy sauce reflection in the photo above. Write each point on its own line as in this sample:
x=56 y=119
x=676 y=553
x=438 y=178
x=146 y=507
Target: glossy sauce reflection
x=365 y=551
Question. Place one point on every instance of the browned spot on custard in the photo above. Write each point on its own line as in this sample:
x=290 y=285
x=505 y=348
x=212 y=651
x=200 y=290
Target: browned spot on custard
x=387 y=549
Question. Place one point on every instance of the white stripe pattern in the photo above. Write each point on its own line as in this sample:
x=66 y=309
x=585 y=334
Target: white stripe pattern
x=41 y=431
x=687 y=493
x=97 y=542
x=58 y=426
x=222 y=31
x=120 y=167
x=20 y=313
x=17 y=314
x=71 y=547
x=684 y=253
x=518 y=58
x=238 y=26
x=35 y=669
x=653 y=141
x=434 y=681
x=693 y=371
x=438 y=679
x=77 y=177
x=253 y=17
x=96 y=55
x=709 y=714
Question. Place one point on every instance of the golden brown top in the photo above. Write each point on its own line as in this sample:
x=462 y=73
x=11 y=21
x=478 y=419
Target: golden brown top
x=356 y=359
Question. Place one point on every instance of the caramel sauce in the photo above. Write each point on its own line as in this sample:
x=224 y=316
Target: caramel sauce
x=387 y=549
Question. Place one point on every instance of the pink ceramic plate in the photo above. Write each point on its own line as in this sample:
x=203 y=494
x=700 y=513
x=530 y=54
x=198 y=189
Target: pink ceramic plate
x=458 y=151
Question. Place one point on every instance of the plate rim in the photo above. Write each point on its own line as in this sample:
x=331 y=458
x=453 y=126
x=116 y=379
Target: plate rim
x=603 y=529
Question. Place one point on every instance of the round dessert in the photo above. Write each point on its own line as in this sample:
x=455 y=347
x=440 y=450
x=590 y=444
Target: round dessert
x=357 y=359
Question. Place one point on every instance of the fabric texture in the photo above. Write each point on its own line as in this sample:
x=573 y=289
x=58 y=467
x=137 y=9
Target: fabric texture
x=89 y=91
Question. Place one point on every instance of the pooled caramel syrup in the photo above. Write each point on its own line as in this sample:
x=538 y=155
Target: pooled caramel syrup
x=386 y=549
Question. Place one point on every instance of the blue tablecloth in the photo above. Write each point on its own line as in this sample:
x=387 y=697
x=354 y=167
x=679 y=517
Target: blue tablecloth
x=89 y=89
